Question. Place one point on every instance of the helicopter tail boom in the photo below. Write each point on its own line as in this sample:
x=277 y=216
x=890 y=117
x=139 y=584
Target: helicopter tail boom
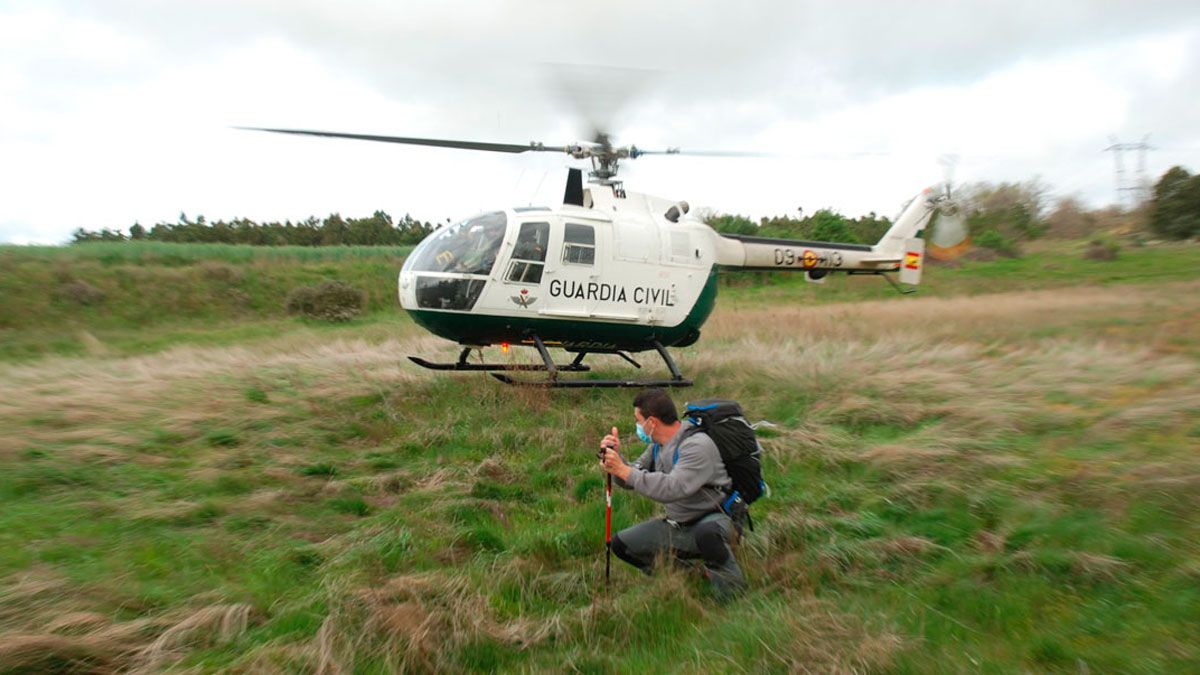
x=899 y=249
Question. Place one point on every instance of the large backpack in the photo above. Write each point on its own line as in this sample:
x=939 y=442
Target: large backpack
x=726 y=425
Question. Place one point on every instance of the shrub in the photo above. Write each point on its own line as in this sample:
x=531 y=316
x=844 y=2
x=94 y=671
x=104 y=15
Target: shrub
x=1102 y=248
x=1070 y=219
x=219 y=271
x=327 y=301
x=1014 y=210
x=80 y=293
x=997 y=242
x=1176 y=208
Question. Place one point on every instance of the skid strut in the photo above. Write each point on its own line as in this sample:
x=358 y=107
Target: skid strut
x=677 y=379
x=575 y=366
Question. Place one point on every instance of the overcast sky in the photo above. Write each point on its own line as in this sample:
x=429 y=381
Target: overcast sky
x=116 y=111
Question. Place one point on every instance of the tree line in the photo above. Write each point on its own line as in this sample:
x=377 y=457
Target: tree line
x=379 y=229
x=821 y=225
x=998 y=216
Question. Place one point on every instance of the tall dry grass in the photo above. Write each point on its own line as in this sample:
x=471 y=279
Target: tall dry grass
x=972 y=368
x=416 y=622
x=44 y=631
x=979 y=318
x=903 y=337
x=945 y=383
x=84 y=400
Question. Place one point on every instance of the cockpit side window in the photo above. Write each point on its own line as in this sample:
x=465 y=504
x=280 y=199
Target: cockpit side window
x=579 y=244
x=469 y=247
x=529 y=254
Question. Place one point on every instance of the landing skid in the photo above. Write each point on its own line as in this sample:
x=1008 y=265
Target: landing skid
x=592 y=384
x=553 y=369
x=461 y=365
x=677 y=379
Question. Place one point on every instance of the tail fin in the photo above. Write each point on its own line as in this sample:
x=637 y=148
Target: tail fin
x=912 y=221
x=903 y=241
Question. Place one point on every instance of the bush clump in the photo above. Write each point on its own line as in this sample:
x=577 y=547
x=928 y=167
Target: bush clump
x=80 y=293
x=997 y=242
x=327 y=301
x=220 y=272
x=1102 y=248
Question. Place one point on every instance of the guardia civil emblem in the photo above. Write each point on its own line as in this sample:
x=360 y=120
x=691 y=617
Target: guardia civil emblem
x=524 y=299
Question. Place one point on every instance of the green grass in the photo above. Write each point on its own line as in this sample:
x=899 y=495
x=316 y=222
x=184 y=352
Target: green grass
x=996 y=483
x=156 y=296
x=168 y=254
x=63 y=300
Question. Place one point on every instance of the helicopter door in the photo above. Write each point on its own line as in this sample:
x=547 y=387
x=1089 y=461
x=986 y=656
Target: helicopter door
x=529 y=255
x=576 y=288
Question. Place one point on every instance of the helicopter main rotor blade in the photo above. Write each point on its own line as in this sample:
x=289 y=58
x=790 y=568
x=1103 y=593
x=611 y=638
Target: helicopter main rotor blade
x=638 y=152
x=434 y=142
x=597 y=94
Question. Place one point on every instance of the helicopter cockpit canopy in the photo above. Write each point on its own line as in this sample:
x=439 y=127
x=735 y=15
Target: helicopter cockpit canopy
x=468 y=247
x=456 y=262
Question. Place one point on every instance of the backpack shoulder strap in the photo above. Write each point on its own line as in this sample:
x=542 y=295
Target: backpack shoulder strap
x=695 y=429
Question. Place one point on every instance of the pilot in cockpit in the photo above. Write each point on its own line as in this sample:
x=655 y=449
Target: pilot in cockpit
x=479 y=248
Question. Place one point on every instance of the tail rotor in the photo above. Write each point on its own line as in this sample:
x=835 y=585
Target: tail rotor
x=948 y=237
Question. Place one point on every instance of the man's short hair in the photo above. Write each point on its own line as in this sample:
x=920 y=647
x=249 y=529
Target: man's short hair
x=655 y=402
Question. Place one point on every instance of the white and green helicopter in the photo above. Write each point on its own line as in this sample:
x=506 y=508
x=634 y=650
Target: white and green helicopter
x=608 y=271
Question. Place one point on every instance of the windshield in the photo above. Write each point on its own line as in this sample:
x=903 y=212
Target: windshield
x=469 y=247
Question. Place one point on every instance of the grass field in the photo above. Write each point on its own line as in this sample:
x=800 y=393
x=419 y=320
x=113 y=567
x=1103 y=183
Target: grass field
x=137 y=296
x=131 y=298
x=1000 y=474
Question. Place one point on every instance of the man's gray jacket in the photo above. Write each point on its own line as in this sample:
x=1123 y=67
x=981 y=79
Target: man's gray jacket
x=691 y=487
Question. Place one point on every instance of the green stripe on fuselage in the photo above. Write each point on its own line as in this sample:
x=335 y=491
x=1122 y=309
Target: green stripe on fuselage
x=484 y=329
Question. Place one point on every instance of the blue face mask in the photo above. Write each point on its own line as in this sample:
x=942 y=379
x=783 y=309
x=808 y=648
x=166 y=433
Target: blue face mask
x=643 y=435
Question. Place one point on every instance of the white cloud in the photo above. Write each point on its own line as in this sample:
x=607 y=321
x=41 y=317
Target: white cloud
x=112 y=112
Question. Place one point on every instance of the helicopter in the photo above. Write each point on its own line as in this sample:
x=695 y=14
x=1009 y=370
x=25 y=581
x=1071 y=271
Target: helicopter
x=607 y=271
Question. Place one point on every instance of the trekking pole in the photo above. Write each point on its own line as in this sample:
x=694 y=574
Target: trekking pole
x=607 y=529
x=607 y=514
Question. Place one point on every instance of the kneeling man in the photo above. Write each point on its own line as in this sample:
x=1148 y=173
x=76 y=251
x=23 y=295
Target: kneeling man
x=683 y=470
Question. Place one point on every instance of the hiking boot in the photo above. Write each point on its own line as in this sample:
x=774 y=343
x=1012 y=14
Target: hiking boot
x=724 y=586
